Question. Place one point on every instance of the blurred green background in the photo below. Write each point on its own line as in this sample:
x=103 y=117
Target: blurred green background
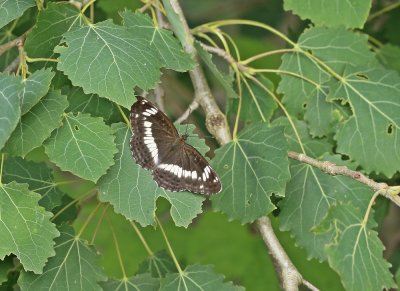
x=235 y=250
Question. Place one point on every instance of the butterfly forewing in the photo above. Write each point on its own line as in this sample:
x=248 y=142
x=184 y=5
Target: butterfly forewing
x=157 y=146
x=151 y=128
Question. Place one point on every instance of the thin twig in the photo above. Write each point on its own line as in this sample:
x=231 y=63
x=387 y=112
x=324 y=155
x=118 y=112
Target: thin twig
x=161 y=20
x=309 y=285
x=192 y=107
x=77 y=4
x=159 y=94
x=216 y=121
x=288 y=273
x=384 y=10
x=333 y=169
x=13 y=43
x=13 y=66
x=225 y=55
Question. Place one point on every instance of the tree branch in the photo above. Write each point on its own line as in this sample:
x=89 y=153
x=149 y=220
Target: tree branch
x=216 y=121
x=19 y=41
x=159 y=94
x=225 y=55
x=288 y=273
x=390 y=192
x=13 y=66
x=217 y=125
x=333 y=169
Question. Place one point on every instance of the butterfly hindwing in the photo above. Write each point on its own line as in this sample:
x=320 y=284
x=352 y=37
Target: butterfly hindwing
x=187 y=170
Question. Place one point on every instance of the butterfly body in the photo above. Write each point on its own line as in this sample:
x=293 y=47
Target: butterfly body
x=157 y=146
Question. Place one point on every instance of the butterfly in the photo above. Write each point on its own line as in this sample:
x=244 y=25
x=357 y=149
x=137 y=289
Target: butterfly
x=157 y=146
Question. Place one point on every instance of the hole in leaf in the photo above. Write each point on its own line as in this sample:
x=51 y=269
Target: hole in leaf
x=345 y=157
x=390 y=129
x=362 y=76
x=226 y=166
x=275 y=199
x=76 y=128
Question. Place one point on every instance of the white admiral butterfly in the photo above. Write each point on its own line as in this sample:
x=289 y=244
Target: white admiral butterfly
x=157 y=146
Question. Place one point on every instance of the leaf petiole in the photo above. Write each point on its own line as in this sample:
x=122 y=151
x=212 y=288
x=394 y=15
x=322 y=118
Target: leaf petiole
x=99 y=223
x=85 y=224
x=125 y=278
x=142 y=239
x=1 y=167
x=178 y=267
x=371 y=202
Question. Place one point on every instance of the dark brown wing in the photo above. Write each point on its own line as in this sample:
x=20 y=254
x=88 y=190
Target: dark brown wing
x=151 y=130
x=185 y=169
x=156 y=145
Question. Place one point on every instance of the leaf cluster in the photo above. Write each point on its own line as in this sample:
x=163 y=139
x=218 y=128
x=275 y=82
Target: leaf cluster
x=64 y=140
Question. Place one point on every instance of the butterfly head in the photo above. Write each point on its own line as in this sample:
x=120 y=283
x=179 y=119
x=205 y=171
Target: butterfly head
x=184 y=137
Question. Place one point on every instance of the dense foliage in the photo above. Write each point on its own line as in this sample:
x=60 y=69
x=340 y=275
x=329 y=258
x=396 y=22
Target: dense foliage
x=77 y=213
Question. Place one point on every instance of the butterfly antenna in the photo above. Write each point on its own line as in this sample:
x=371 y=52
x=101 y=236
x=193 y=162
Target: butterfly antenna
x=187 y=124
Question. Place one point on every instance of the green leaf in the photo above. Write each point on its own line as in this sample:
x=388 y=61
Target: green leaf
x=139 y=282
x=323 y=116
x=297 y=90
x=37 y=175
x=335 y=48
x=113 y=9
x=197 y=277
x=397 y=276
x=388 y=55
x=10 y=110
x=74 y=267
x=311 y=189
x=36 y=86
x=309 y=196
x=251 y=169
x=36 y=125
x=257 y=105
x=373 y=94
x=313 y=147
x=52 y=22
x=109 y=60
x=11 y=9
x=225 y=79
x=159 y=264
x=133 y=192
x=357 y=253
x=163 y=42
x=87 y=103
x=25 y=229
x=83 y=145
x=351 y=14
